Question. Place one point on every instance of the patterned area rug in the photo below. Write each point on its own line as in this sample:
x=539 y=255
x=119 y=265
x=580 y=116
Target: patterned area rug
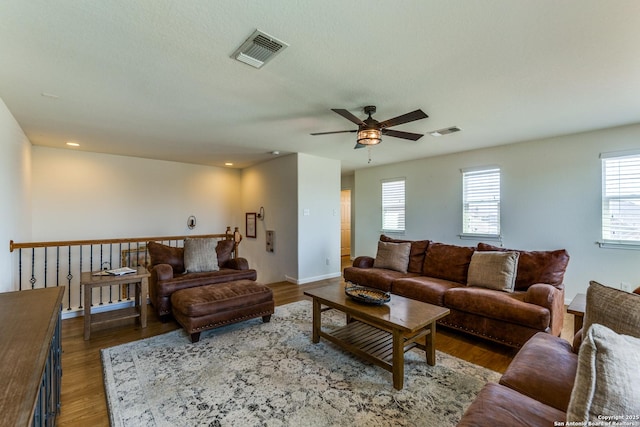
x=271 y=374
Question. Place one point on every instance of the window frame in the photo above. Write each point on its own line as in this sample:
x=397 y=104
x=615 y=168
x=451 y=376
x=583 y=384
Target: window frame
x=615 y=181
x=467 y=175
x=402 y=212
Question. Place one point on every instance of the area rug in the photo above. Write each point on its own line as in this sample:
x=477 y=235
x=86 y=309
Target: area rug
x=271 y=374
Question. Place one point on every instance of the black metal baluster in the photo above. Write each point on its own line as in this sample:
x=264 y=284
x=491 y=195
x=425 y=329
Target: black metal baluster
x=20 y=269
x=110 y=264
x=45 y=266
x=70 y=276
x=33 y=268
x=119 y=287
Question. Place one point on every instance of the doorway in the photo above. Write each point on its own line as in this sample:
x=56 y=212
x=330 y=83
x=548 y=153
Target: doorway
x=345 y=223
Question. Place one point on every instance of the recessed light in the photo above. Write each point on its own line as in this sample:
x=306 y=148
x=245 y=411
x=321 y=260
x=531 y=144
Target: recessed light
x=49 y=95
x=73 y=144
x=275 y=153
x=228 y=164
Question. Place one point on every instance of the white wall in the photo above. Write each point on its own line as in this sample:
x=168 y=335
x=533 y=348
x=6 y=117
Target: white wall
x=272 y=185
x=80 y=195
x=318 y=218
x=15 y=192
x=551 y=193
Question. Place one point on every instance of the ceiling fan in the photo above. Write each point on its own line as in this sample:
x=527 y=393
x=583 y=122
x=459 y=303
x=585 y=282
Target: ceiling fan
x=370 y=130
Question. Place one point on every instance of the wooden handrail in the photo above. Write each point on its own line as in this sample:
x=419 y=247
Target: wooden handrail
x=227 y=235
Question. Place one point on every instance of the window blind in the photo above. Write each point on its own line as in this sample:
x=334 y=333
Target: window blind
x=621 y=199
x=393 y=205
x=481 y=202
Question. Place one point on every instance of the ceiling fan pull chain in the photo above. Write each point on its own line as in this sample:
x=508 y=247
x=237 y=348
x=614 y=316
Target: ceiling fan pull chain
x=369 y=152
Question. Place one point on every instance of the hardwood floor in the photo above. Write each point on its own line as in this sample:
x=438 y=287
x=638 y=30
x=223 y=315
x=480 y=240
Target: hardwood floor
x=83 y=396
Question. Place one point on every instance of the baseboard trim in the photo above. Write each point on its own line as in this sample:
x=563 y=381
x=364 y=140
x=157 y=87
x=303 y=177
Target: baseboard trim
x=312 y=279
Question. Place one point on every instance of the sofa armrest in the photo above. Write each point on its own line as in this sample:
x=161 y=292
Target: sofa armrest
x=363 y=262
x=236 y=264
x=162 y=272
x=552 y=298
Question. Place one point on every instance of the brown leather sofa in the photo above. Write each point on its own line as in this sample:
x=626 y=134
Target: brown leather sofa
x=168 y=272
x=537 y=389
x=437 y=274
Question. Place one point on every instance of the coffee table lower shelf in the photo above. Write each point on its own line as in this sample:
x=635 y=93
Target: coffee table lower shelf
x=371 y=343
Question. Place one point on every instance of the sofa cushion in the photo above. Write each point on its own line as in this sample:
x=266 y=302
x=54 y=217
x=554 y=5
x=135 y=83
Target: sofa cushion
x=616 y=309
x=379 y=278
x=536 y=266
x=200 y=255
x=422 y=288
x=416 y=256
x=551 y=356
x=607 y=381
x=497 y=305
x=449 y=262
x=224 y=250
x=394 y=256
x=497 y=405
x=493 y=270
x=163 y=254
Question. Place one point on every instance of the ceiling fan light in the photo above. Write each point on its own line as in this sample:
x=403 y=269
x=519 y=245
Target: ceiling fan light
x=369 y=136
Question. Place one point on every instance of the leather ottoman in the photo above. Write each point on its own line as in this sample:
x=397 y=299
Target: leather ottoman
x=206 y=307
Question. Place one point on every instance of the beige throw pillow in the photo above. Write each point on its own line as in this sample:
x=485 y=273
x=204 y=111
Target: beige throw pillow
x=200 y=255
x=493 y=270
x=616 y=309
x=607 y=380
x=393 y=256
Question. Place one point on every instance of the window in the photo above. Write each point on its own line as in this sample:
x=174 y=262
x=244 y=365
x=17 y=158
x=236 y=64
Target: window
x=393 y=205
x=620 y=199
x=481 y=202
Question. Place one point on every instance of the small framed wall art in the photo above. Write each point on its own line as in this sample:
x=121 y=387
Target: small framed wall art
x=251 y=224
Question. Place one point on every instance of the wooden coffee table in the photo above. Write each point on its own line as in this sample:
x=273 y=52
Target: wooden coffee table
x=380 y=334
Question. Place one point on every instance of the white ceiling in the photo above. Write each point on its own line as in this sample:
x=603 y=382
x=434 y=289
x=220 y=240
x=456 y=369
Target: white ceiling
x=154 y=78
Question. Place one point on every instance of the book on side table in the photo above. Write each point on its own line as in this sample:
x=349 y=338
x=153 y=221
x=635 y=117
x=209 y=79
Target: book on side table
x=115 y=272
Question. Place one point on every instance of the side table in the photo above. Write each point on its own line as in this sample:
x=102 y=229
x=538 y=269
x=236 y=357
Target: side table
x=577 y=308
x=140 y=278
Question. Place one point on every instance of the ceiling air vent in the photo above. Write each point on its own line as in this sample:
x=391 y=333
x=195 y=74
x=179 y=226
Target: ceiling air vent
x=259 y=49
x=445 y=131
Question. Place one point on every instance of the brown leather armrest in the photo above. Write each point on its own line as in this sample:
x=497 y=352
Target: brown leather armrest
x=552 y=298
x=162 y=272
x=363 y=262
x=237 y=264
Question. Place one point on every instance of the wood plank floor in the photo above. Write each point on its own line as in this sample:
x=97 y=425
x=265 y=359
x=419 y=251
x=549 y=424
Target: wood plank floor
x=83 y=396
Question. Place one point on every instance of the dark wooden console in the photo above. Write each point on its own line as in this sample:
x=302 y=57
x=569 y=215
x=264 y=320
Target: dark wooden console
x=30 y=357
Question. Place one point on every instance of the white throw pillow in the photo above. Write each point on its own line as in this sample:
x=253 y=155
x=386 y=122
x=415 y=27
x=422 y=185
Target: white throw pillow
x=607 y=380
x=393 y=256
x=200 y=255
x=493 y=270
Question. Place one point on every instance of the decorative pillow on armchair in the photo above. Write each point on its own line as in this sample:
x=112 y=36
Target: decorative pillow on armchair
x=163 y=254
x=616 y=309
x=224 y=250
x=394 y=256
x=493 y=270
x=607 y=379
x=200 y=255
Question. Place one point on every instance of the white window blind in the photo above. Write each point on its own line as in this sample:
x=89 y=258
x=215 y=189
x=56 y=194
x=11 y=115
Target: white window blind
x=621 y=199
x=481 y=202
x=393 y=205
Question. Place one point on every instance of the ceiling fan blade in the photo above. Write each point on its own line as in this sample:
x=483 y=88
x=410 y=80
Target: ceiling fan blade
x=405 y=118
x=401 y=134
x=347 y=115
x=336 y=131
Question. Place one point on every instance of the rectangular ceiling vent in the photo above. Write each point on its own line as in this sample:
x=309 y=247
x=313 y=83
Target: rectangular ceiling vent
x=259 y=49
x=445 y=131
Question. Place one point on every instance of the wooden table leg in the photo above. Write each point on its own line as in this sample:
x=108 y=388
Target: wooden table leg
x=430 y=344
x=397 y=364
x=143 y=302
x=87 y=312
x=316 y=321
